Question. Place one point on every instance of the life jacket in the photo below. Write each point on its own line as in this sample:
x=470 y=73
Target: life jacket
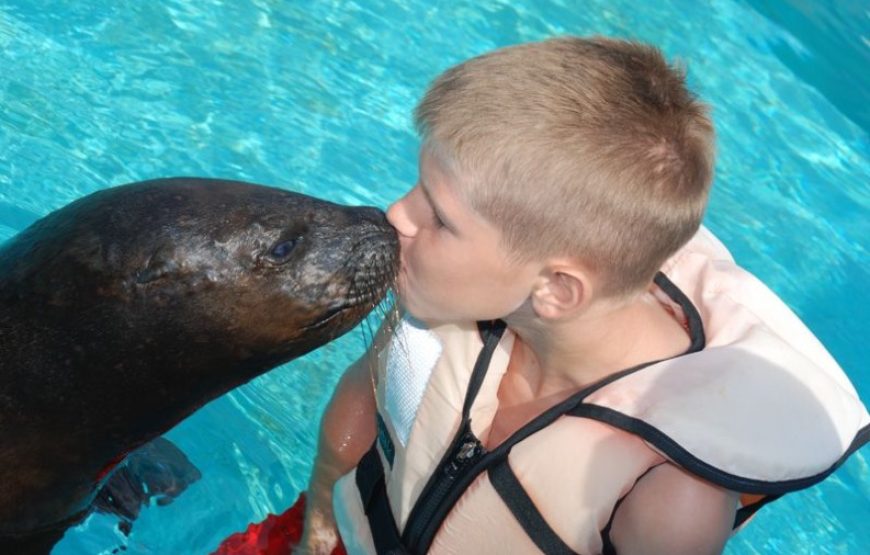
x=756 y=405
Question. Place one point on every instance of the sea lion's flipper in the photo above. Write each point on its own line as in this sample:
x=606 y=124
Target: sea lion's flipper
x=158 y=470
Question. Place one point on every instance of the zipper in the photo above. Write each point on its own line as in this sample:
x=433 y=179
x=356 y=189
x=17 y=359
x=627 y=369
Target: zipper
x=463 y=455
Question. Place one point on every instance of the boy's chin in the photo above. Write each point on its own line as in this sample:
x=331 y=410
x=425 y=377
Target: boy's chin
x=425 y=313
x=408 y=308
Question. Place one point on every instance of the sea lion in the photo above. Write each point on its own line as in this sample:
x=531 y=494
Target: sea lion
x=125 y=311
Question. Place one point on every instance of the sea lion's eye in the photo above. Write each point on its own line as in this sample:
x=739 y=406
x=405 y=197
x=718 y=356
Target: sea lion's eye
x=281 y=251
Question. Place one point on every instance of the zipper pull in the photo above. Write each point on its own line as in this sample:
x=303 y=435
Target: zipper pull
x=468 y=451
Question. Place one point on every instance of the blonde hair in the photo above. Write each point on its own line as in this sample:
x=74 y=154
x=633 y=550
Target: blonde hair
x=592 y=148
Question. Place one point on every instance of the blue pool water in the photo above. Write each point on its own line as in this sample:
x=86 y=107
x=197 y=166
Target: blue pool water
x=316 y=97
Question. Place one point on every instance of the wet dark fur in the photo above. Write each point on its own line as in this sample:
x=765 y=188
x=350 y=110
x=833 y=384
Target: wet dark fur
x=127 y=310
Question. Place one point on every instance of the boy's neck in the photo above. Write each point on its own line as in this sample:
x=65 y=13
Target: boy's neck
x=565 y=356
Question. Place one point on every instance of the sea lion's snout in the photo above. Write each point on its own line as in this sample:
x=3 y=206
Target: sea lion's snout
x=376 y=257
x=362 y=259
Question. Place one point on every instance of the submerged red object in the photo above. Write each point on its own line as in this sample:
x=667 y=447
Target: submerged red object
x=276 y=535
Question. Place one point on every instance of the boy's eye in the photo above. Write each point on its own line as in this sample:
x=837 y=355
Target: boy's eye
x=436 y=217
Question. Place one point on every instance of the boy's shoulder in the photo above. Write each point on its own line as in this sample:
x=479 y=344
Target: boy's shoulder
x=653 y=517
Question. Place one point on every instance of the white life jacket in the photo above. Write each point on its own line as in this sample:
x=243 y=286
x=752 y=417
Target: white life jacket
x=756 y=406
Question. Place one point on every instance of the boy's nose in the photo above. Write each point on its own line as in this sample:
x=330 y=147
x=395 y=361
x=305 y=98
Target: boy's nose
x=398 y=216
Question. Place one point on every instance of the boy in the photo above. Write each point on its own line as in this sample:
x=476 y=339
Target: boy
x=578 y=369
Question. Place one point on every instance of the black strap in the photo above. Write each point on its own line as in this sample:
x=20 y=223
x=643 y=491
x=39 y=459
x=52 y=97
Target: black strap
x=747 y=512
x=607 y=547
x=696 y=325
x=373 y=493
x=524 y=510
x=490 y=333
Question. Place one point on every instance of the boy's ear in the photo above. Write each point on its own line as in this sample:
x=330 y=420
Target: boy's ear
x=560 y=291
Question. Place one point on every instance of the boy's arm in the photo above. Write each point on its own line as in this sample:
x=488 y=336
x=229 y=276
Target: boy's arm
x=346 y=433
x=671 y=512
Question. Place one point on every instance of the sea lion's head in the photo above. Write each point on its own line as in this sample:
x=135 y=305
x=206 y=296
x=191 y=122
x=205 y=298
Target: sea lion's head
x=206 y=270
x=277 y=272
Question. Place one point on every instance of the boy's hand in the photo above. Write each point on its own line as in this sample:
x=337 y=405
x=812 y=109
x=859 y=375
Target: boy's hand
x=319 y=534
